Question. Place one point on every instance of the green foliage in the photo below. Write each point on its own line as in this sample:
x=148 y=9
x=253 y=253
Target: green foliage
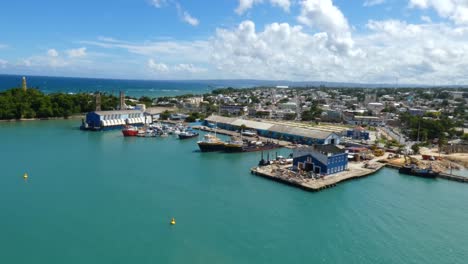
x=228 y=90
x=429 y=129
x=290 y=116
x=165 y=115
x=194 y=116
x=32 y=103
x=313 y=113
x=415 y=148
x=146 y=100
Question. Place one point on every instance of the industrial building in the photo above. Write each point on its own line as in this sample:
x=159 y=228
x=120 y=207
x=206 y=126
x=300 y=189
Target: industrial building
x=320 y=159
x=105 y=120
x=298 y=135
x=358 y=133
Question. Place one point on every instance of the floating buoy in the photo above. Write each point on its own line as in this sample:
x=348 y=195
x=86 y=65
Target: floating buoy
x=25 y=176
x=173 y=221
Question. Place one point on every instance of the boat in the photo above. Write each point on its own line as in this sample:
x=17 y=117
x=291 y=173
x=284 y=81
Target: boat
x=416 y=171
x=210 y=143
x=173 y=222
x=252 y=146
x=130 y=131
x=234 y=145
x=249 y=133
x=187 y=134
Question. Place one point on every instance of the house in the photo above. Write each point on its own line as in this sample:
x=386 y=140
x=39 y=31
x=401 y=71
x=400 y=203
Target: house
x=320 y=159
x=358 y=133
x=233 y=109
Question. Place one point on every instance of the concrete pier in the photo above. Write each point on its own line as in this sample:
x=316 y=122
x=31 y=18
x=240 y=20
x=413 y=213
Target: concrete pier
x=283 y=174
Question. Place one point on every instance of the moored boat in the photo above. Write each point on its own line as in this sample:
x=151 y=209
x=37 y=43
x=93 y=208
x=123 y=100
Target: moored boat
x=249 y=133
x=234 y=145
x=210 y=143
x=187 y=134
x=416 y=171
x=130 y=131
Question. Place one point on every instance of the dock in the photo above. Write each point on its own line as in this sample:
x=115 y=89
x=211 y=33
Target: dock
x=282 y=143
x=283 y=174
x=442 y=175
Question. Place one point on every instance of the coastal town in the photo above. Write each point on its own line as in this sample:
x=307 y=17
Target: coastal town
x=335 y=134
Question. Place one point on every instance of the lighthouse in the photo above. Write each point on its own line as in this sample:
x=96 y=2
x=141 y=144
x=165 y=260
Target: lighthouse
x=23 y=85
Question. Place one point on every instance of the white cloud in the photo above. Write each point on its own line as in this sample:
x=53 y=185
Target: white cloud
x=245 y=5
x=3 y=63
x=415 y=53
x=189 y=19
x=373 y=2
x=455 y=10
x=3 y=46
x=426 y=19
x=169 y=70
x=77 y=53
x=157 y=3
x=185 y=16
x=52 y=53
x=284 y=4
x=157 y=67
x=324 y=16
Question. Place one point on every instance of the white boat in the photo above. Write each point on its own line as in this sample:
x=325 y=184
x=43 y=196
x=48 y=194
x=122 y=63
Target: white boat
x=249 y=133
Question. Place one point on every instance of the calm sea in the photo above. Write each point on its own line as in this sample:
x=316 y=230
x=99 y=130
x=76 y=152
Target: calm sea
x=101 y=198
x=134 y=88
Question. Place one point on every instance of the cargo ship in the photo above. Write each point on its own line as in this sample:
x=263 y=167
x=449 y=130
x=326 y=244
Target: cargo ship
x=416 y=171
x=210 y=143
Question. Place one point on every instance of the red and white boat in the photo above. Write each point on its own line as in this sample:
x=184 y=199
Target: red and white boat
x=130 y=131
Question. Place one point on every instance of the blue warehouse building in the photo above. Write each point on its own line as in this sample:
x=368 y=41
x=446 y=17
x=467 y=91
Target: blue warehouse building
x=320 y=159
x=106 y=120
x=299 y=135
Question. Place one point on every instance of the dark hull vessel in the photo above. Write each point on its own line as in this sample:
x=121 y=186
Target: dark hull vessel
x=267 y=146
x=187 y=135
x=210 y=147
x=415 y=171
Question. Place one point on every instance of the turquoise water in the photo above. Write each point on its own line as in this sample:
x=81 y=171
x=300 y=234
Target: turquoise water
x=102 y=198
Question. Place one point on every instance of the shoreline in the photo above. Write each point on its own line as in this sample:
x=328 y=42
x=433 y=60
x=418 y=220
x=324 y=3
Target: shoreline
x=43 y=119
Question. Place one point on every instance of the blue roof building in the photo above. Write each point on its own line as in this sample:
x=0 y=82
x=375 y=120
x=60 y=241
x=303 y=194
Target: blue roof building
x=320 y=159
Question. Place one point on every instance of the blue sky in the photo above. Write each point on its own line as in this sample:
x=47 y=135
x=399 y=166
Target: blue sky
x=415 y=41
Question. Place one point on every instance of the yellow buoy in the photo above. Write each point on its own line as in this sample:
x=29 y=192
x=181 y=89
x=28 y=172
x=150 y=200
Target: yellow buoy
x=173 y=221
x=25 y=176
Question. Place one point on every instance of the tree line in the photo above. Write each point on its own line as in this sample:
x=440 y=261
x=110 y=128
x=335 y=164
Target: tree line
x=32 y=103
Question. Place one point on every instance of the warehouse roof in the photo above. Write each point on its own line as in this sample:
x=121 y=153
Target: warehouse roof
x=121 y=112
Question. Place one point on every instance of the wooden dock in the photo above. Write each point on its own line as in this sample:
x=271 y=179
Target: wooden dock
x=282 y=174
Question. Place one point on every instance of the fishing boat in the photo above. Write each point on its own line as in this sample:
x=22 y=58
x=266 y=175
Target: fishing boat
x=187 y=134
x=416 y=171
x=210 y=143
x=130 y=131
